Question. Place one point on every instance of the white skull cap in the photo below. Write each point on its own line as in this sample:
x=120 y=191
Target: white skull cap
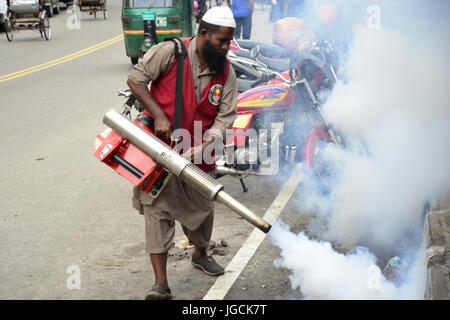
x=220 y=16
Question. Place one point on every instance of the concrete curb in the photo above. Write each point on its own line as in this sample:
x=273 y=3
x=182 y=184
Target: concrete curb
x=436 y=236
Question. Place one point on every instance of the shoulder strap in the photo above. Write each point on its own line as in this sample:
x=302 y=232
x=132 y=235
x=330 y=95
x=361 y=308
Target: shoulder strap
x=180 y=54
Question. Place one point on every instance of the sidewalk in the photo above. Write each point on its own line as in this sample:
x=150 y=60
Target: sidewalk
x=436 y=234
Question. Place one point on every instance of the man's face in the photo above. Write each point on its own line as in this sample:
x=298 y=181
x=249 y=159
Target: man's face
x=221 y=39
x=215 y=48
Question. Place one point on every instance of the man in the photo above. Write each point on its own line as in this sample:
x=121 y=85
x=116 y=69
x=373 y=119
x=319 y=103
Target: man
x=243 y=12
x=209 y=96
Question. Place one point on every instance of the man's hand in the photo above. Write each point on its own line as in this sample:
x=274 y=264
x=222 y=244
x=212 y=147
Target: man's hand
x=194 y=152
x=163 y=128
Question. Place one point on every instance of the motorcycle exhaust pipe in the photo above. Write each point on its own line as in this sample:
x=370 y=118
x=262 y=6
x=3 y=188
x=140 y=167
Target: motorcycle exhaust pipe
x=179 y=166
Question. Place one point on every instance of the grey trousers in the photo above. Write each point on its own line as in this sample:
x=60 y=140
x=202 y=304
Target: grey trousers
x=160 y=230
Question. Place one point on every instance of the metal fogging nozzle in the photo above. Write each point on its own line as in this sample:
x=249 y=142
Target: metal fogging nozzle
x=179 y=166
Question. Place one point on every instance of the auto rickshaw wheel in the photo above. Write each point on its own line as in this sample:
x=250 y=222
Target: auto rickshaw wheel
x=9 y=30
x=45 y=27
x=134 y=60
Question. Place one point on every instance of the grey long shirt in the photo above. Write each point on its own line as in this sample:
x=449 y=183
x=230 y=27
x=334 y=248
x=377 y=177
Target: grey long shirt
x=158 y=61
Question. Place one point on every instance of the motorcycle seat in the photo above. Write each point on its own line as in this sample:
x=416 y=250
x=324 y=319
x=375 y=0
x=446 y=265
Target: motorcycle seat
x=266 y=50
x=280 y=65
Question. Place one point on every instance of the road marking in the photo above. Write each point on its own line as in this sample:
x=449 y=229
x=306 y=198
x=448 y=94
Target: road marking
x=67 y=58
x=245 y=253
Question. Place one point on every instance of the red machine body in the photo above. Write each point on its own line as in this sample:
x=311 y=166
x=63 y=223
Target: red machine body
x=129 y=161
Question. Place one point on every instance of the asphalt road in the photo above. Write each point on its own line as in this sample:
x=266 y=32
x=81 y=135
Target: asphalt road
x=62 y=212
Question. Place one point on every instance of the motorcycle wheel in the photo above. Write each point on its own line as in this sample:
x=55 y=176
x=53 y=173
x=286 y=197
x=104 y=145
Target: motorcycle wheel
x=315 y=160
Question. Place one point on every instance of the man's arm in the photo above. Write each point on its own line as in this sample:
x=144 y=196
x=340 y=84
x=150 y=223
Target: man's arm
x=251 y=4
x=163 y=128
x=155 y=62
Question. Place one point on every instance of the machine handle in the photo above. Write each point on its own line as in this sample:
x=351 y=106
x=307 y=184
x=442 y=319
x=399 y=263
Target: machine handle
x=124 y=163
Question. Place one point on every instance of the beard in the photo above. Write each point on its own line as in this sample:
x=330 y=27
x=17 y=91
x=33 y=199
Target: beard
x=215 y=61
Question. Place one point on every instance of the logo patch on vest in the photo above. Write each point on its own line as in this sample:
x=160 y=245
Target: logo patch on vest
x=215 y=94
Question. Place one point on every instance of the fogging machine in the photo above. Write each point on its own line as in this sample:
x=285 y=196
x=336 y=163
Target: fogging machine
x=134 y=152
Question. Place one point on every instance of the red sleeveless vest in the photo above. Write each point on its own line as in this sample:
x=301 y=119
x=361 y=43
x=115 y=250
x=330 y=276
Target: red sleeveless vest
x=163 y=91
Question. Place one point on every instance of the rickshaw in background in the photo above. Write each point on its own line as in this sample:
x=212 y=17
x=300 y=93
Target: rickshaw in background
x=3 y=14
x=148 y=22
x=52 y=7
x=92 y=6
x=27 y=15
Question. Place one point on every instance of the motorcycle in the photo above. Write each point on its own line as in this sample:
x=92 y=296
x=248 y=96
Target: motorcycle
x=256 y=63
x=281 y=120
x=248 y=48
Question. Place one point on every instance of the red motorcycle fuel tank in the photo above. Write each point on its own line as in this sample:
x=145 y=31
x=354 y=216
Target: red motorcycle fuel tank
x=266 y=97
x=263 y=98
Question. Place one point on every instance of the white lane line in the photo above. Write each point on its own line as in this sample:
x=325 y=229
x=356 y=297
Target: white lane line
x=223 y=283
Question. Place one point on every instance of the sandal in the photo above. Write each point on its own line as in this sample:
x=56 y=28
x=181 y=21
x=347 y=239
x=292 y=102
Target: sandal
x=208 y=265
x=159 y=292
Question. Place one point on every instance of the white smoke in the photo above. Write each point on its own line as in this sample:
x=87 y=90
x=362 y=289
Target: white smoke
x=322 y=273
x=394 y=104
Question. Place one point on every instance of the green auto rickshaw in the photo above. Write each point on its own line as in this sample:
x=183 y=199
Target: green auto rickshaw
x=148 y=22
